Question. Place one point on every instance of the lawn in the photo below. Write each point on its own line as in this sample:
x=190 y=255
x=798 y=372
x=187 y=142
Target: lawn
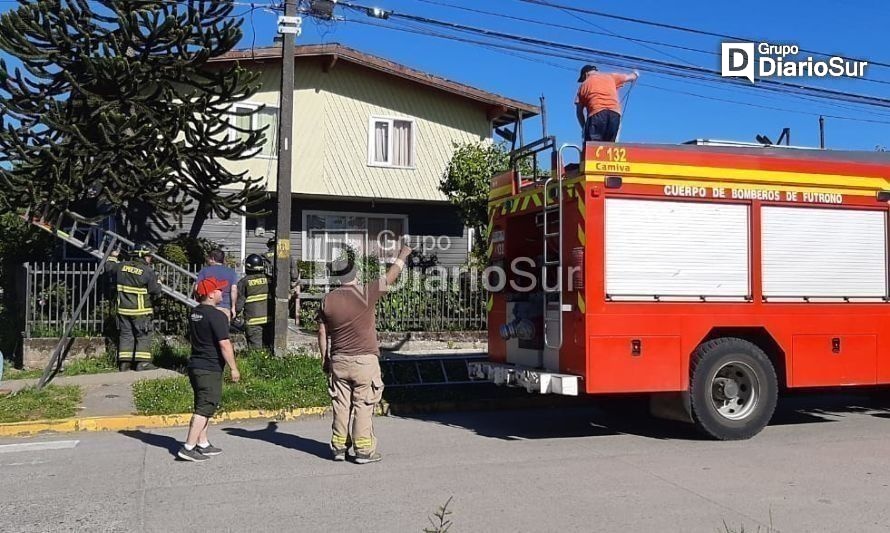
x=267 y=382
x=32 y=404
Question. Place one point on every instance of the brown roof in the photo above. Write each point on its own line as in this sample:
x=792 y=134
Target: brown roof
x=501 y=110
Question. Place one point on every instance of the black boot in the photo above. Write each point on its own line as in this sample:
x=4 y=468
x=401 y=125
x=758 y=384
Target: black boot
x=145 y=366
x=124 y=366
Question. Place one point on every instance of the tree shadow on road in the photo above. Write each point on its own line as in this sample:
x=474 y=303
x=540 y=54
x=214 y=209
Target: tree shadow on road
x=153 y=439
x=271 y=435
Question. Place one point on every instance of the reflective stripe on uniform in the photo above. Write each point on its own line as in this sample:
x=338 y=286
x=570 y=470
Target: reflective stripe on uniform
x=134 y=312
x=257 y=298
x=364 y=443
x=145 y=356
x=337 y=440
x=258 y=321
x=128 y=289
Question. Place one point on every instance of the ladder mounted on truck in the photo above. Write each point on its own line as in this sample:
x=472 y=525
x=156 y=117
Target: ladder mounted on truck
x=551 y=227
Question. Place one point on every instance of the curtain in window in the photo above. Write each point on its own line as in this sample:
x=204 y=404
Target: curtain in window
x=242 y=122
x=381 y=142
x=401 y=144
x=269 y=117
x=329 y=233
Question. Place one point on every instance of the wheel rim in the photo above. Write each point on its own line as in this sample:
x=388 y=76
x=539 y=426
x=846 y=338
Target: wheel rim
x=735 y=390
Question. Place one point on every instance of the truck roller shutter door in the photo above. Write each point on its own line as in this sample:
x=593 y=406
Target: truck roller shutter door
x=676 y=250
x=824 y=252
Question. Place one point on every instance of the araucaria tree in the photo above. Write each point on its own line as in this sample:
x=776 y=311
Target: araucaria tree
x=121 y=99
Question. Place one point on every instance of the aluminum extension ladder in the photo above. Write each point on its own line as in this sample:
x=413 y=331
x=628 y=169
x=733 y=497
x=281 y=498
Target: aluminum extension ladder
x=84 y=234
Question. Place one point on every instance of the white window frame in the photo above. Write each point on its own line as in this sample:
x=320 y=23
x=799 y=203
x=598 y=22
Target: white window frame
x=254 y=106
x=304 y=235
x=372 y=121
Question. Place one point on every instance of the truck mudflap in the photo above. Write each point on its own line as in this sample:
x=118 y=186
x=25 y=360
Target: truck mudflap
x=531 y=379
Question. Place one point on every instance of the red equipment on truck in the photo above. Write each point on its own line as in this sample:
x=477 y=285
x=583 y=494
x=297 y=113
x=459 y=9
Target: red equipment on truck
x=708 y=275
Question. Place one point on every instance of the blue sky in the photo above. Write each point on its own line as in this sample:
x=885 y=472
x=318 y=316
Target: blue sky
x=659 y=109
x=655 y=112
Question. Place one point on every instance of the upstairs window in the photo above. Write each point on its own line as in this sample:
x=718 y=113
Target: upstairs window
x=267 y=116
x=391 y=142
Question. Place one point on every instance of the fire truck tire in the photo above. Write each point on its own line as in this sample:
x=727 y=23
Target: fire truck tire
x=733 y=389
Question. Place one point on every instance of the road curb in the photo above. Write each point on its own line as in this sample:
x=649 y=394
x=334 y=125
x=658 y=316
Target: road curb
x=130 y=422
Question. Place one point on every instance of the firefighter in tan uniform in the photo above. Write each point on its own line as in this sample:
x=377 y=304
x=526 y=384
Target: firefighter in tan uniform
x=253 y=302
x=347 y=316
x=136 y=284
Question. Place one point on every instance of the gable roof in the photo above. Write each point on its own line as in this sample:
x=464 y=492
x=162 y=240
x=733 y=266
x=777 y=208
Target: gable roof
x=501 y=110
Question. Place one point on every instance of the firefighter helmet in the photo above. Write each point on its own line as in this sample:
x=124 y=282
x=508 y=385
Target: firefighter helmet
x=142 y=249
x=254 y=263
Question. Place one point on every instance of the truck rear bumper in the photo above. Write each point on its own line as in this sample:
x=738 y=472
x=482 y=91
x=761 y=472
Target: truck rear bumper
x=532 y=380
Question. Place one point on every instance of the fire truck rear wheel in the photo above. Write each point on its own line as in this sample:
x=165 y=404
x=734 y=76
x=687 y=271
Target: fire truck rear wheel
x=732 y=389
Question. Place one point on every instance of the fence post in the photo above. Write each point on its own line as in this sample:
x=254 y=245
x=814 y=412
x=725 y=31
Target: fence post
x=28 y=299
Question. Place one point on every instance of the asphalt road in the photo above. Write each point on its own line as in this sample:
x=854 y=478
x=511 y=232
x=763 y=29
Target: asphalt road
x=823 y=465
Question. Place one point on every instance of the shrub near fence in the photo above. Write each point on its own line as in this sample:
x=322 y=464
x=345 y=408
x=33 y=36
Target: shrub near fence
x=434 y=300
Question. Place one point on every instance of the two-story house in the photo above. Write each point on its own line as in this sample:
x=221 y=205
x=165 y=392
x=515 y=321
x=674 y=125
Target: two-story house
x=371 y=140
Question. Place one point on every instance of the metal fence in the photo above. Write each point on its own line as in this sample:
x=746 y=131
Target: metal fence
x=54 y=290
x=447 y=301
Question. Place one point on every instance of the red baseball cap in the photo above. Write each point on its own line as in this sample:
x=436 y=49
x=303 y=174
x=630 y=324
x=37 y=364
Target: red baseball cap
x=208 y=285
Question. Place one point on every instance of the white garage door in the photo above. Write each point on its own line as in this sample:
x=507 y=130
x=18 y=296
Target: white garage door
x=817 y=252
x=676 y=249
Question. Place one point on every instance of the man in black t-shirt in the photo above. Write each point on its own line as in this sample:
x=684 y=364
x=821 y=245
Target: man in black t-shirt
x=211 y=351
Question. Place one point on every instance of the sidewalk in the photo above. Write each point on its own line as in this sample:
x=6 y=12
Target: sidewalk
x=103 y=394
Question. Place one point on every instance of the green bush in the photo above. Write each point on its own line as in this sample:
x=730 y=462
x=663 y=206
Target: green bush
x=185 y=250
x=170 y=353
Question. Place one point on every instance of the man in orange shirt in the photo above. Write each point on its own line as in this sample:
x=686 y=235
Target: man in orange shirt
x=598 y=96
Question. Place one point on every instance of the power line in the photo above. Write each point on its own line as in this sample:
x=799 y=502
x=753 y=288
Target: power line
x=635 y=61
x=641 y=42
x=524 y=54
x=585 y=31
x=564 y=7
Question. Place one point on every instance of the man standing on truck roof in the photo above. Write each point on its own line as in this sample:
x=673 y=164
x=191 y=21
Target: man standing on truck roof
x=598 y=97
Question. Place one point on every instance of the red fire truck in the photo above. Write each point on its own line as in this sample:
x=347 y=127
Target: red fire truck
x=708 y=275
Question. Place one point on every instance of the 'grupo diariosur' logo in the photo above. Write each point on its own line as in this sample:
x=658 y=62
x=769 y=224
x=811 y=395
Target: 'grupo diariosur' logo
x=765 y=60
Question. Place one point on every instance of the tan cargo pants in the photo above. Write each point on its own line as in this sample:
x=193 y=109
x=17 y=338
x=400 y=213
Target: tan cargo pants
x=356 y=386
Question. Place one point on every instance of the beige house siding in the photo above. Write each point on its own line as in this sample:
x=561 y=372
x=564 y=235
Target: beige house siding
x=331 y=122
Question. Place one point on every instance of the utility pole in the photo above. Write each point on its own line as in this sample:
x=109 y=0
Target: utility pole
x=289 y=29
x=821 y=132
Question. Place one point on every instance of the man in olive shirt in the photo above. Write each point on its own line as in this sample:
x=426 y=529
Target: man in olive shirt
x=347 y=316
x=211 y=350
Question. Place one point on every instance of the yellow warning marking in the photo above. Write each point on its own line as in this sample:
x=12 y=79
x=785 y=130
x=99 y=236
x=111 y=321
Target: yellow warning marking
x=582 y=306
x=582 y=208
x=525 y=202
x=582 y=237
x=282 y=248
x=489 y=304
